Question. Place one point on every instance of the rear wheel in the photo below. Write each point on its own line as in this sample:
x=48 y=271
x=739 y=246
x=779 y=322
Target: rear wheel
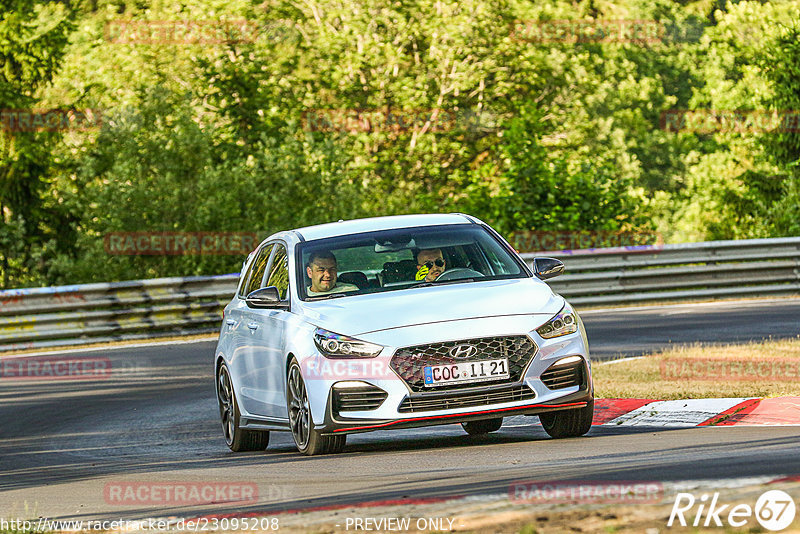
x=309 y=441
x=568 y=423
x=238 y=439
x=484 y=426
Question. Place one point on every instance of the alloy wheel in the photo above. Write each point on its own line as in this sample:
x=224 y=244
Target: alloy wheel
x=299 y=410
x=225 y=396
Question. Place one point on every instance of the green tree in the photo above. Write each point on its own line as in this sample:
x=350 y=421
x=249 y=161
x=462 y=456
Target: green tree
x=537 y=191
x=782 y=68
x=525 y=134
x=33 y=38
x=154 y=168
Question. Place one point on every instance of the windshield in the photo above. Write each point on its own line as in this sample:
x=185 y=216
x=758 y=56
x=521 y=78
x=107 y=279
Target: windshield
x=393 y=260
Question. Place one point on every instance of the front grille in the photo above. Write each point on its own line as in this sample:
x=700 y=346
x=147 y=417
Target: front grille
x=428 y=402
x=358 y=399
x=409 y=362
x=560 y=376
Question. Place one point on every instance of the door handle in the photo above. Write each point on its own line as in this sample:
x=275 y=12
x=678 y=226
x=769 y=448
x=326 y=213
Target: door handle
x=230 y=322
x=252 y=326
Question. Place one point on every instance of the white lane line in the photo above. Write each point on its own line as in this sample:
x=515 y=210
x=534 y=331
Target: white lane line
x=620 y=360
x=675 y=413
x=55 y=350
x=729 y=483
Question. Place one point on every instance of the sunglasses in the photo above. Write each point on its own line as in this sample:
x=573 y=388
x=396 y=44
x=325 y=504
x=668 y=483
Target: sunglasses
x=429 y=264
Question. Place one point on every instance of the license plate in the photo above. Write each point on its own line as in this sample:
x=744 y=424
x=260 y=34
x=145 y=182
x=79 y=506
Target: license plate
x=464 y=372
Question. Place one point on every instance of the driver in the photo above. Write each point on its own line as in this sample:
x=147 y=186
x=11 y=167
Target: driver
x=430 y=264
x=321 y=269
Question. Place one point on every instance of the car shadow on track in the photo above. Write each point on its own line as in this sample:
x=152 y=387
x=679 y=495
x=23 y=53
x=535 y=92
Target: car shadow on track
x=445 y=437
x=684 y=463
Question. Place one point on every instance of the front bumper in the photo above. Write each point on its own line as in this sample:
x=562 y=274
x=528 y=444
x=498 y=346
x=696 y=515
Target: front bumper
x=401 y=405
x=335 y=424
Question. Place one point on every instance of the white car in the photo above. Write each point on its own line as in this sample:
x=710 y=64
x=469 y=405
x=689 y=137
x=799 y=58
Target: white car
x=396 y=322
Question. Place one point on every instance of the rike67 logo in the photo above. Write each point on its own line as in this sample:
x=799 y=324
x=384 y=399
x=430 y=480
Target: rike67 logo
x=774 y=510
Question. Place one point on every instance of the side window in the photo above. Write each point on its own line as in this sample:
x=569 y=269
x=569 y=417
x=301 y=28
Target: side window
x=256 y=272
x=279 y=271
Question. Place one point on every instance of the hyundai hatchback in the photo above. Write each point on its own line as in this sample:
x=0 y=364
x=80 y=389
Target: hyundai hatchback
x=397 y=322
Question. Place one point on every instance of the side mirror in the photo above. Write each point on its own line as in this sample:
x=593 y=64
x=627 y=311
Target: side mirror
x=545 y=268
x=266 y=297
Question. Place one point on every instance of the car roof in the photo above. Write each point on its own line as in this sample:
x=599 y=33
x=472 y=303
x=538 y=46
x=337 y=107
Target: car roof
x=357 y=226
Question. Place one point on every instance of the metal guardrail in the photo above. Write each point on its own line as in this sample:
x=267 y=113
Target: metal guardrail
x=690 y=271
x=69 y=315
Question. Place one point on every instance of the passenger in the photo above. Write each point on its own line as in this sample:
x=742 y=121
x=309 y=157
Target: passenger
x=321 y=269
x=430 y=264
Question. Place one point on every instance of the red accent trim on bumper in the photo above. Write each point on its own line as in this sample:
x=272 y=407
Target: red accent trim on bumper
x=457 y=415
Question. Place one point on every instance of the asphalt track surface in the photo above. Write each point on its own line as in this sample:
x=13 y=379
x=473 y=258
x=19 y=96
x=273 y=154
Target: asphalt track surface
x=155 y=420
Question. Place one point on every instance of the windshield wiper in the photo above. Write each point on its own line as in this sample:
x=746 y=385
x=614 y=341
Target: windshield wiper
x=331 y=296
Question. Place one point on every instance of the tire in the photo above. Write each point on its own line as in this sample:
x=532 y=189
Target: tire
x=482 y=427
x=238 y=439
x=308 y=440
x=568 y=423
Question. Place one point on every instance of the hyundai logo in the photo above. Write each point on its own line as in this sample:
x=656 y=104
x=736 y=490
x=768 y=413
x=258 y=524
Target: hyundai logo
x=463 y=351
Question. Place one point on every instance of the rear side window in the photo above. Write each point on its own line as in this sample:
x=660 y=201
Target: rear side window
x=279 y=271
x=256 y=271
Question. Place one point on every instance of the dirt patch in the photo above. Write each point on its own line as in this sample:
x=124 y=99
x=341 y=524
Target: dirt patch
x=497 y=514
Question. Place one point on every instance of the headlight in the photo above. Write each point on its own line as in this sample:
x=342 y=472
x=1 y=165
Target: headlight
x=338 y=346
x=565 y=322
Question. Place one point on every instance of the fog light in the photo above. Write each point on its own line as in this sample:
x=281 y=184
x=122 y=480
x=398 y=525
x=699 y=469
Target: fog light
x=348 y=384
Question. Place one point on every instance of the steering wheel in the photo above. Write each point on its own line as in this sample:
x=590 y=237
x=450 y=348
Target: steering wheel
x=459 y=272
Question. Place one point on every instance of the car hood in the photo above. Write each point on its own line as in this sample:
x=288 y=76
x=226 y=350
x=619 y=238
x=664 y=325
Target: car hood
x=362 y=314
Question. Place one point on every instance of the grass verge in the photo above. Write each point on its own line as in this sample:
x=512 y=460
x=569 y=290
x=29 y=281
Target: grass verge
x=762 y=369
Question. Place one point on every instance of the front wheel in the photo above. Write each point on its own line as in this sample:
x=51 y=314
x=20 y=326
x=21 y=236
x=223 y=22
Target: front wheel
x=568 y=423
x=309 y=441
x=238 y=439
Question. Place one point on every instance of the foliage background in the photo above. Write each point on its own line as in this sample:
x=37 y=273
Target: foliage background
x=550 y=136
